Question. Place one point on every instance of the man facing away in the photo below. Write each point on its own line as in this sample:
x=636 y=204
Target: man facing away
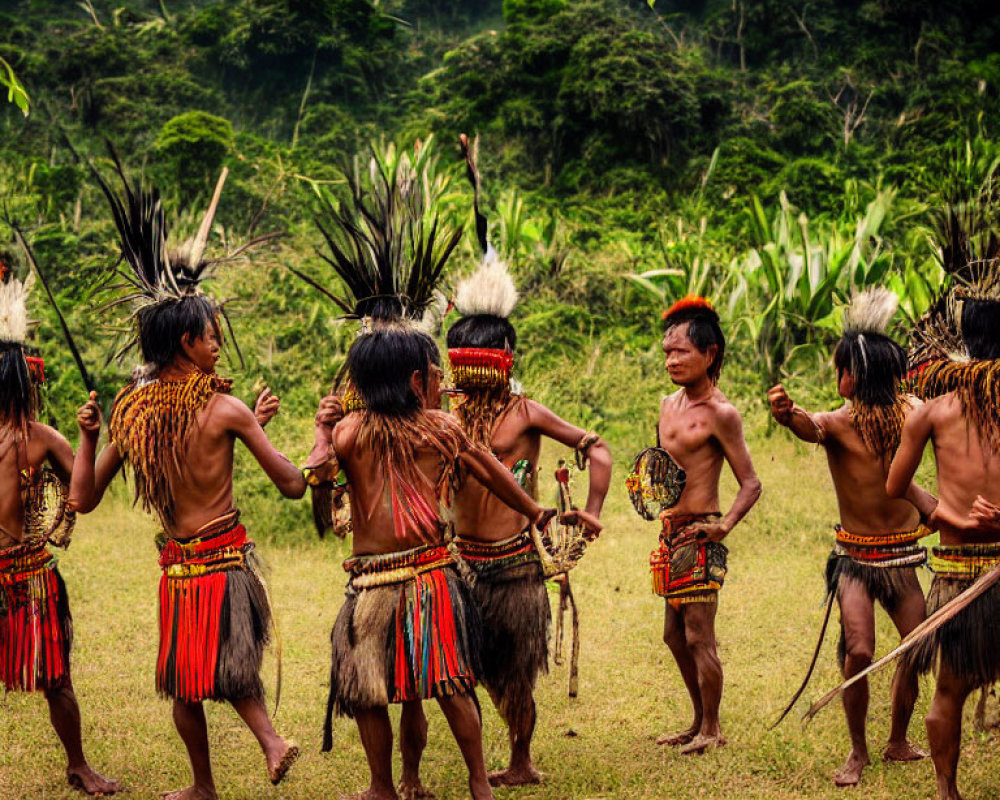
x=960 y=418
x=36 y=629
x=700 y=429
x=176 y=426
x=876 y=554
x=494 y=538
x=408 y=630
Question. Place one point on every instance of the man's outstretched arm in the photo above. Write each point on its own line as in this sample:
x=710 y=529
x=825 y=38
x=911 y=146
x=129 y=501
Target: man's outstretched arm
x=243 y=424
x=597 y=453
x=808 y=427
x=89 y=480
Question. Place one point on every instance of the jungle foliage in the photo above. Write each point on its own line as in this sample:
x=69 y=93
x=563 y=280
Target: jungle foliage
x=774 y=155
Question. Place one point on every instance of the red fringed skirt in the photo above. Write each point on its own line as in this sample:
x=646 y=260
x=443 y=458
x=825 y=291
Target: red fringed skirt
x=215 y=619
x=36 y=629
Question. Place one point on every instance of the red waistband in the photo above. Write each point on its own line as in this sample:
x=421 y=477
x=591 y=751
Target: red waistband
x=203 y=548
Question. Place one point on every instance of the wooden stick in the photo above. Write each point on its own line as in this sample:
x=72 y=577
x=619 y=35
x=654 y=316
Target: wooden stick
x=944 y=614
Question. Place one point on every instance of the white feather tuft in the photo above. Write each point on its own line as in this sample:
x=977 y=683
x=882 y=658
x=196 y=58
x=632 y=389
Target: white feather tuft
x=14 y=309
x=870 y=311
x=489 y=290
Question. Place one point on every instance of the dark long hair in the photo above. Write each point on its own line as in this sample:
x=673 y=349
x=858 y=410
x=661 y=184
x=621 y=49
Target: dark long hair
x=875 y=362
x=18 y=397
x=483 y=330
x=703 y=332
x=380 y=364
x=981 y=328
x=161 y=326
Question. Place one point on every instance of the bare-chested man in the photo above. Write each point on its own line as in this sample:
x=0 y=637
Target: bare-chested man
x=494 y=538
x=960 y=418
x=408 y=630
x=876 y=553
x=36 y=629
x=176 y=426
x=700 y=429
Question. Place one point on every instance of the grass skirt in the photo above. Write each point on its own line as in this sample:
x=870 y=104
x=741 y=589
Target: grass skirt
x=408 y=630
x=512 y=600
x=36 y=629
x=970 y=643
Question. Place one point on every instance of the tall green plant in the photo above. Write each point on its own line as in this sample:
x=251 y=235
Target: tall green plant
x=789 y=286
x=16 y=92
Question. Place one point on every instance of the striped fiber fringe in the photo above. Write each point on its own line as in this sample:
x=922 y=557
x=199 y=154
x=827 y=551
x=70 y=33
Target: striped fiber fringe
x=151 y=425
x=215 y=621
x=36 y=629
x=880 y=427
x=404 y=641
x=510 y=559
x=481 y=409
x=977 y=385
x=394 y=443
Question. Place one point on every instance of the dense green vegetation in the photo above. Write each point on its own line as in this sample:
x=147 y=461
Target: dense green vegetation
x=772 y=155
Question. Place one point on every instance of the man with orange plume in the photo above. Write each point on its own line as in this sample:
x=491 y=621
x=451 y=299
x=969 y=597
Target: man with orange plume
x=700 y=429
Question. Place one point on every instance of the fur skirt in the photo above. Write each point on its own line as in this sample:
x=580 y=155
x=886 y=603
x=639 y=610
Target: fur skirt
x=408 y=630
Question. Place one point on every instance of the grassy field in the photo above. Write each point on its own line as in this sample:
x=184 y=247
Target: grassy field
x=597 y=746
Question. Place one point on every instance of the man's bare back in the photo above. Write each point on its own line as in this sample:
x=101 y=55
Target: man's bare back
x=44 y=444
x=966 y=469
x=859 y=480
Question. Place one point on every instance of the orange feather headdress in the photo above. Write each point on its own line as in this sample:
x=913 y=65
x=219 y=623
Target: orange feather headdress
x=691 y=301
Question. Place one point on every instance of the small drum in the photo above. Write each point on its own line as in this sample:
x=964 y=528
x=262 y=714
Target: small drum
x=655 y=482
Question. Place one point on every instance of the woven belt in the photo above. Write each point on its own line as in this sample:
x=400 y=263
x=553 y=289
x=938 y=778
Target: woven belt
x=24 y=561
x=963 y=561
x=368 y=572
x=221 y=545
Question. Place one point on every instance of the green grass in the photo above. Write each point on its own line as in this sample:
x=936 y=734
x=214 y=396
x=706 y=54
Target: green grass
x=597 y=746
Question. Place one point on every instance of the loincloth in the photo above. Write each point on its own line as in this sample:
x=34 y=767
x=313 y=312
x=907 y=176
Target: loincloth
x=408 y=630
x=884 y=563
x=513 y=603
x=970 y=642
x=684 y=568
x=215 y=618
x=36 y=629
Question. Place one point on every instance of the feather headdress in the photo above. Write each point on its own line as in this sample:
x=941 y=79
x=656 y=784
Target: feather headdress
x=968 y=249
x=877 y=365
x=870 y=311
x=151 y=271
x=490 y=289
x=384 y=236
x=14 y=305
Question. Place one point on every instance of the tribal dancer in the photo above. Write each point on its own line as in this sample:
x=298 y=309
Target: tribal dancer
x=494 y=539
x=36 y=629
x=700 y=429
x=175 y=424
x=408 y=630
x=960 y=417
x=876 y=553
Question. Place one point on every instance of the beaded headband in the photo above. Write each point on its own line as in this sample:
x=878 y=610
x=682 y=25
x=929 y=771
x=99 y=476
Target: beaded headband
x=480 y=367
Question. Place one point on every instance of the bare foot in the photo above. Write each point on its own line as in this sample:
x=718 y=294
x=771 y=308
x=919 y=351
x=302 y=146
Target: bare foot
x=371 y=794
x=679 y=737
x=515 y=776
x=191 y=793
x=903 y=751
x=278 y=766
x=414 y=790
x=702 y=742
x=89 y=780
x=850 y=773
